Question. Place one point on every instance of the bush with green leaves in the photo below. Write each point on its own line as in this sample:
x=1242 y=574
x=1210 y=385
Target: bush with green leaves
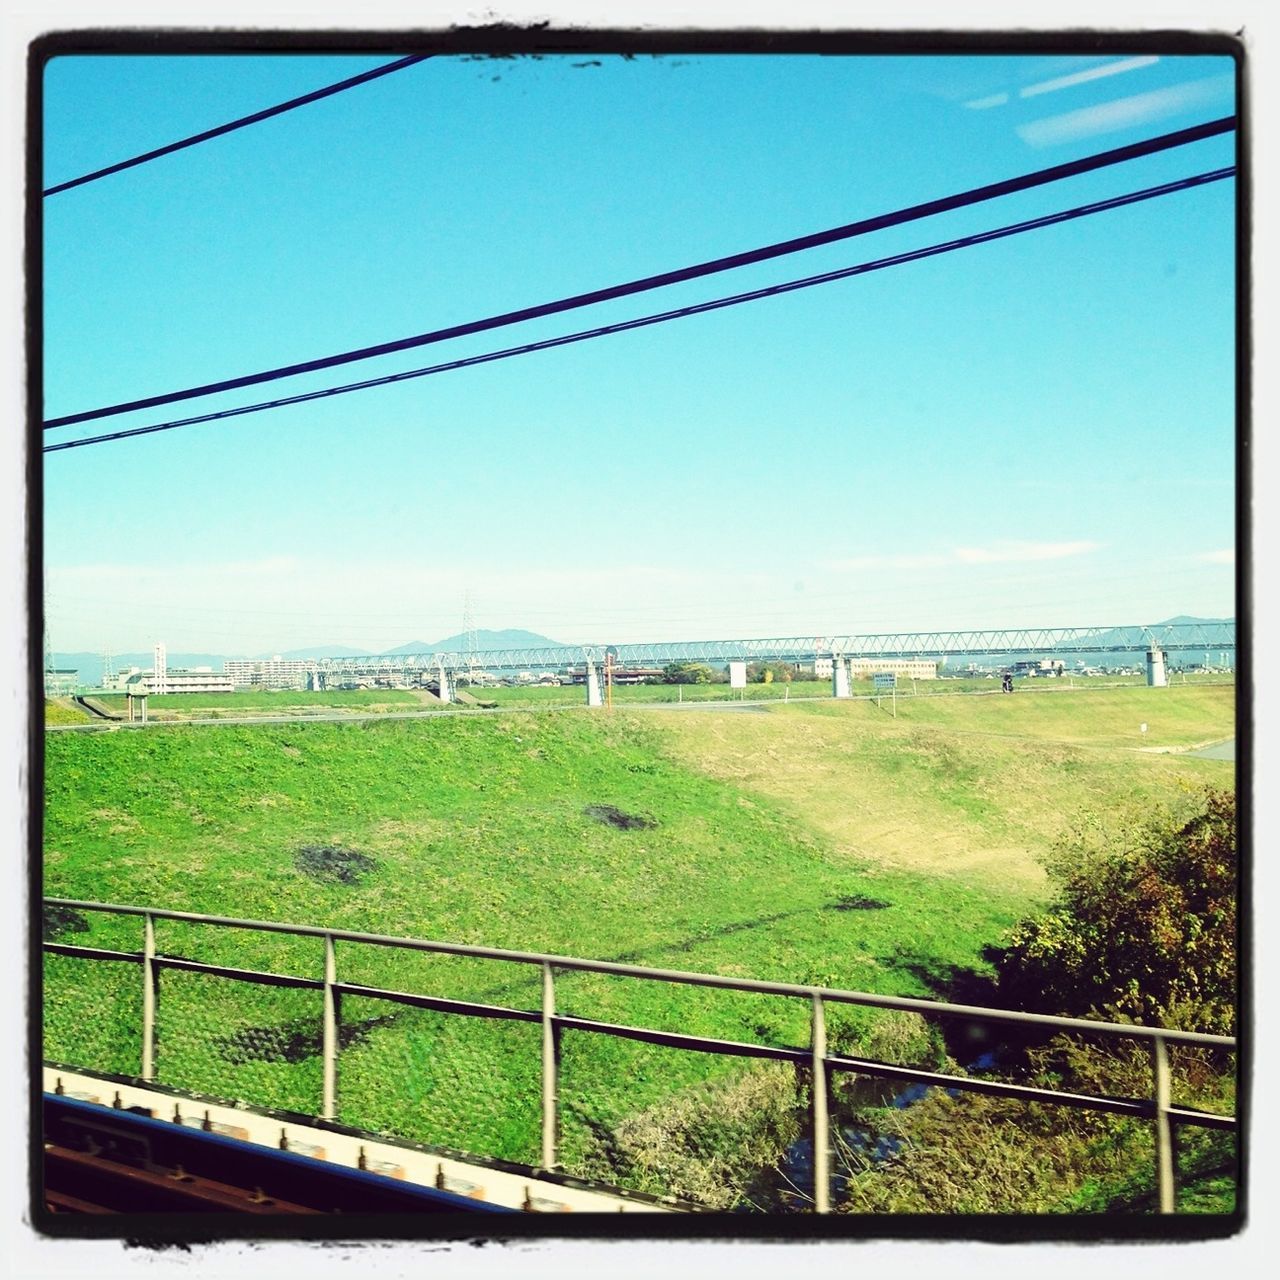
x=1144 y=925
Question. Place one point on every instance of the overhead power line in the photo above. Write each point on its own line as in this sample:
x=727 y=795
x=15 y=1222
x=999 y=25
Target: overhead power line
x=232 y=125
x=697 y=308
x=976 y=195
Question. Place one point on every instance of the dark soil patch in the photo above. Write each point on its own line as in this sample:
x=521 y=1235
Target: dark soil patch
x=60 y=920
x=856 y=902
x=614 y=817
x=292 y=1041
x=333 y=863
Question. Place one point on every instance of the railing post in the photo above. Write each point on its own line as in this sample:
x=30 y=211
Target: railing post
x=549 y=1083
x=1164 y=1133
x=329 y=1048
x=821 y=1146
x=149 y=972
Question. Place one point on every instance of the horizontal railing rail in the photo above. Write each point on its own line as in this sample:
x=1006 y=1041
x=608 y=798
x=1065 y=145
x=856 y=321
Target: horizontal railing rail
x=1158 y=1108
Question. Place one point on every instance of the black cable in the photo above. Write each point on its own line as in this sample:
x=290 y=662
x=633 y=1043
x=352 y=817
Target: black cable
x=978 y=194
x=768 y=291
x=217 y=132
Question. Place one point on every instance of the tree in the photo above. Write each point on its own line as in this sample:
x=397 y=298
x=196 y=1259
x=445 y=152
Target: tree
x=686 y=673
x=1144 y=922
x=768 y=672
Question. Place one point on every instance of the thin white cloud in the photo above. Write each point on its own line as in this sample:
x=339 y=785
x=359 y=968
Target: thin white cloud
x=1125 y=113
x=992 y=100
x=180 y=573
x=1226 y=556
x=1018 y=552
x=889 y=562
x=1083 y=77
x=997 y=553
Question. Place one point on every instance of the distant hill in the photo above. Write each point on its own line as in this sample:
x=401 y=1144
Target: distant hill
x=1184 y=620
x=511 y=638
x=1215 y=629
x=412 y=646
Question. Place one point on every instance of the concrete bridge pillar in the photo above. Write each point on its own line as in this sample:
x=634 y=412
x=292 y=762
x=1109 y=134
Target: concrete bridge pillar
x=446 y=683
x=1156 y=675
x=839 y=676
x=593 y=685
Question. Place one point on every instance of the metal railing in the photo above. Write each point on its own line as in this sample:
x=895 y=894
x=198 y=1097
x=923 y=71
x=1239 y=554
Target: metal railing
x=1157 y=1107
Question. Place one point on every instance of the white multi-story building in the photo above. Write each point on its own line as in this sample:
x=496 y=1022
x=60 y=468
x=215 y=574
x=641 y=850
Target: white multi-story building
x=267 y=673
x=162 y=678
x=176 y=680
x=860 y=668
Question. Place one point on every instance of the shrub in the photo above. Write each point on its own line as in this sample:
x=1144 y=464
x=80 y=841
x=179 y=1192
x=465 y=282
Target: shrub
x=1144 y=922
x=687 y=673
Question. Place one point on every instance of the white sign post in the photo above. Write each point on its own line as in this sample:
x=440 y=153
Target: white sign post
x=737 y=673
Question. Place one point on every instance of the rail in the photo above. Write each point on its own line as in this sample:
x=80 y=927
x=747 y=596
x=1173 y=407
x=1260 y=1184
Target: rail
x=1027 y=641
x=1158 y=1107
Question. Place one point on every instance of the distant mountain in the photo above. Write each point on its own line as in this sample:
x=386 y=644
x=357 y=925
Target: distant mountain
x=1215 y=630
x=511 y=638
x=1183 y=620
x=1214 y=634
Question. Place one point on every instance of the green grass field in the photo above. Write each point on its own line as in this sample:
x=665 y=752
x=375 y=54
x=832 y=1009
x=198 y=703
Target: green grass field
x=64 y=711
x=170 y=706
x=300 y=703
x=818 y=842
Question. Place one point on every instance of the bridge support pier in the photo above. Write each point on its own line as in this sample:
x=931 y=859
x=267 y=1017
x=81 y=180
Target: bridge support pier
x=839 y=676
x=593 y=685
x=446 y=683
x=1157 y=678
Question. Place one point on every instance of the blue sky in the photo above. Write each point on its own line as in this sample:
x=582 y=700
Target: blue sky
x=1033 y=432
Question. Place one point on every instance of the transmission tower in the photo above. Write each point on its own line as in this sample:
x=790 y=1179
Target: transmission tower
x=469 y=626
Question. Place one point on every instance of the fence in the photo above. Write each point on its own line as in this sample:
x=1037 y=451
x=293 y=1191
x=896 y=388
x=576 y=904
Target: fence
x=1157 y=1107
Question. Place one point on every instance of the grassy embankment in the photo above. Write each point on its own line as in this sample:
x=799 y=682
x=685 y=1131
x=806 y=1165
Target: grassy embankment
x=64 y=711
x=819 y=842
x=257 y=702
x=290 y=702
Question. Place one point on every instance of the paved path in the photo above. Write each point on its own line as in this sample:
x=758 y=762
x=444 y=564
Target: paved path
x=1219 y=751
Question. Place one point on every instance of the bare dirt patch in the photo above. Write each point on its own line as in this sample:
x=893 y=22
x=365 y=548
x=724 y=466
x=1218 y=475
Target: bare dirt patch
x=856 y=902
x=121 y=823
x=333 y=864
x=57 y=921
x=612 y=816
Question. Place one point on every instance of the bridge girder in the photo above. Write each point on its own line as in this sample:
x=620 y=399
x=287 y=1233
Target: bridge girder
x=1008 y=642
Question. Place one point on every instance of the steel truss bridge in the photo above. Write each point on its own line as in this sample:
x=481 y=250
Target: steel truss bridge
x=1206 y=637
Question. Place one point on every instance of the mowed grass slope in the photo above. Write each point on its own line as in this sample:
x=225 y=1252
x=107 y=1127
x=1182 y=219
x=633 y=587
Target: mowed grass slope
x=257 y=702
x=973 y=787
x=802 y=843
x=64 y=711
